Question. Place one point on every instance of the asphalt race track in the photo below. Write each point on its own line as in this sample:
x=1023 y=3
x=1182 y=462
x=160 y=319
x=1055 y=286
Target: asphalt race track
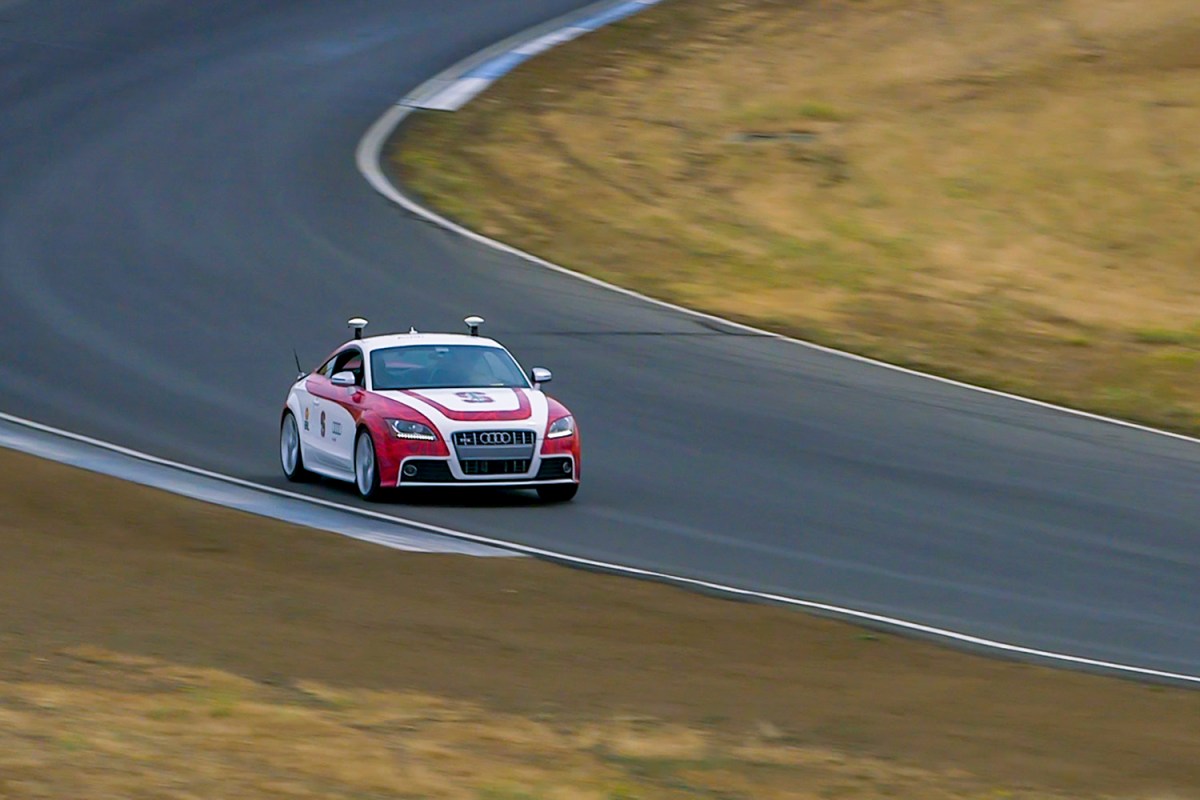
x=179 y=208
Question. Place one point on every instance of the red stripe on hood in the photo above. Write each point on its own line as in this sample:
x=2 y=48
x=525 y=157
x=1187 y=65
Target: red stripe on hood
x=524 y=409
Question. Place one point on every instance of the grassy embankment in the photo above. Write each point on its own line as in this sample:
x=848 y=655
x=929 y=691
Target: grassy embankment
x=155 y=647
x=1007 y=193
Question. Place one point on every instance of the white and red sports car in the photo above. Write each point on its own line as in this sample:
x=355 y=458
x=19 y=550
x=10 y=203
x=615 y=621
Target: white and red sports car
x=428 y=410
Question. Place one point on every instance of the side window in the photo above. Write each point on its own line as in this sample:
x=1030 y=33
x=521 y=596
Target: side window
x=326 y=369
x=350 y=360
x=355 y=365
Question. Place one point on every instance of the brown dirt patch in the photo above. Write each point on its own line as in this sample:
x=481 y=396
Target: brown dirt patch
x=90 y=562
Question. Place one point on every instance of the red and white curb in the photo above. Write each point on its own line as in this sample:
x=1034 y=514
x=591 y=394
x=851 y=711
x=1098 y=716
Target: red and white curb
x=456 y=86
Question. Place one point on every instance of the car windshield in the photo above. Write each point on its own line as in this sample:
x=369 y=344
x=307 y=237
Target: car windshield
x=427 y=366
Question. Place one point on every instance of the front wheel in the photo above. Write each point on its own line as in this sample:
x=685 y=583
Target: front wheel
x=366 y=467
x=290 y=456
x=557 y=492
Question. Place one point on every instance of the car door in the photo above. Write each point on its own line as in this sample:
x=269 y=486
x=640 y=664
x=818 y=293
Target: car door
x=304 y=399
x=329 y=423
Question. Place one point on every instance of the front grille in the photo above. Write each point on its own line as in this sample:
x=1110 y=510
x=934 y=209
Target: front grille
x=499 y=466
x=428 y=471
x=494 y=452
x=494 y=438
x=554 y=468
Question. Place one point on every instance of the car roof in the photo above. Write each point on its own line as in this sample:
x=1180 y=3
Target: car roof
x=370 y=343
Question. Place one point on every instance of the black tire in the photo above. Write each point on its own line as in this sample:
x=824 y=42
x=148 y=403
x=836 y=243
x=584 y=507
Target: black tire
x=291 y=454
x=366 y=467
x=558 y=492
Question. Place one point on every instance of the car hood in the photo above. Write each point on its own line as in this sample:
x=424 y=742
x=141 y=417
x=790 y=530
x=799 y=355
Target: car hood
x=466 y=404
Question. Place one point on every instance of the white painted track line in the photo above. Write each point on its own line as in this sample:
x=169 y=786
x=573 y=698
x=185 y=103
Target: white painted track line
x=369 y=160
x=367 y=156
x=94 y=455
x=849 y=614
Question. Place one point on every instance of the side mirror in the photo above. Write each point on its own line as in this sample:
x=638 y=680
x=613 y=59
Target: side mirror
x=540 y=375
x=345 y=378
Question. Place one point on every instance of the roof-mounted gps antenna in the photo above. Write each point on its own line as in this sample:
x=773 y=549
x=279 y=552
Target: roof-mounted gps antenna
x=358 y=323
x=473 y=323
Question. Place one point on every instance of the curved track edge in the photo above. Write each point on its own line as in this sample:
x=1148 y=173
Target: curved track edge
x=379 y=528
x=64 y=447
x=368 y=158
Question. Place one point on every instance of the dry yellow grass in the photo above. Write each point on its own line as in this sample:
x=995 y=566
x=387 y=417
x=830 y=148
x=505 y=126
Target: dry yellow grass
x=128 y=727
x=156 y=647
x=1003 y=192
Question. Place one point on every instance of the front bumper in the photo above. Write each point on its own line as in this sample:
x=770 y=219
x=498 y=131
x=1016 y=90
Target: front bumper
x=434 y=472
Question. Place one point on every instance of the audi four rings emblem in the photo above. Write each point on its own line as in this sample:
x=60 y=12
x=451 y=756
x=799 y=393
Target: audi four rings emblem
x=493 y=438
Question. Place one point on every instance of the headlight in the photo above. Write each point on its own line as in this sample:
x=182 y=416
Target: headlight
x=563 y=426
x=412 y=430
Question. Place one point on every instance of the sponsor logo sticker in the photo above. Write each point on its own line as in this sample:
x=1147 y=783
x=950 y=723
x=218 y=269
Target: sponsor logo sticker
x=474 y=397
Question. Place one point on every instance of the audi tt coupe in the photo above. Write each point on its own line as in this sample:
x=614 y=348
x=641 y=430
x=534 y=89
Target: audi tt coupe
x=428 y=410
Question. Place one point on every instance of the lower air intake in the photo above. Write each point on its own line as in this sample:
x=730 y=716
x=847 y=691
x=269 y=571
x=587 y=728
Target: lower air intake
x=428 y=471
x=554 y=469
x=506 y=466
